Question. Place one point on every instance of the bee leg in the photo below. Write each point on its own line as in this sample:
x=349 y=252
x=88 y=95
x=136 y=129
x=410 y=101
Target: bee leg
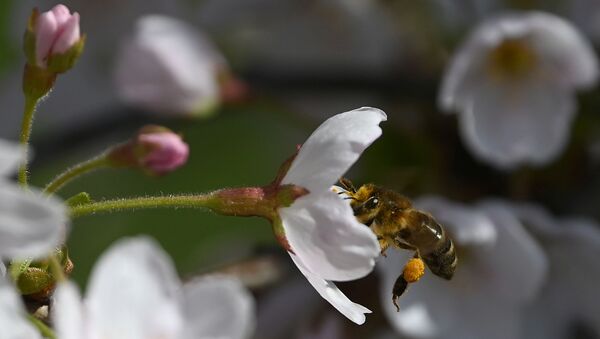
x=347 y=184
x=384 y=244
x=399 y=287
x=412 y=272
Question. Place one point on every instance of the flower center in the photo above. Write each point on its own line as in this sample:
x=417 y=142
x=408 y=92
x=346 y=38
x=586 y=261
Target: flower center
x=512 y=58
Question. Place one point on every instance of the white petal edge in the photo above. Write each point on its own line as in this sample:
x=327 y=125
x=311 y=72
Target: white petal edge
x=31 y=225
x=68 y=313
x=13 y=318
x=333 y=147
x=323 y=232
x=133 y=292
x=218 y=307
x=565 y=55
x=333 y=295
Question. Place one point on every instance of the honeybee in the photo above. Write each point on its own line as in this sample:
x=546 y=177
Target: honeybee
x=395 y=222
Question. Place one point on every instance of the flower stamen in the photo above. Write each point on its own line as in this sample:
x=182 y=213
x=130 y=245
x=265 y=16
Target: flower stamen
x=512 y=58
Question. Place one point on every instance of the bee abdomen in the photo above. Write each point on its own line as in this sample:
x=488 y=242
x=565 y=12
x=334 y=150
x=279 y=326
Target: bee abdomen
x=442 y=260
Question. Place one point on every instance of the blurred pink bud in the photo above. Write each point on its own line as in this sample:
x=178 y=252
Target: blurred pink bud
x=56 y=32
x=162 y=151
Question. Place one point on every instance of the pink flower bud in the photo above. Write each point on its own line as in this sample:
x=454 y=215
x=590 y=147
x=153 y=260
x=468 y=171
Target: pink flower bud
x=162 y=152
x=56 y=32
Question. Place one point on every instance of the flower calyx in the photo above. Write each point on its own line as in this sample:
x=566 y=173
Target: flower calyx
x=36 y=280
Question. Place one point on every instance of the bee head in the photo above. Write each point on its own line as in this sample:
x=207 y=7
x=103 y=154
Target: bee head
x=366 y=203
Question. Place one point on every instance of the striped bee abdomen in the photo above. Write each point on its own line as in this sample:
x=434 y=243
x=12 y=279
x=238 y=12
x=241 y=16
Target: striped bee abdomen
x=442 y=260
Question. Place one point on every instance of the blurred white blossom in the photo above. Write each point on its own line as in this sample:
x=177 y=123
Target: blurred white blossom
x=134 y=293
x=513 y=82
x=500 y=269
x=327 y=242
x=569 y=299
x=13 y=317
x=169 y=67
x=31 y=225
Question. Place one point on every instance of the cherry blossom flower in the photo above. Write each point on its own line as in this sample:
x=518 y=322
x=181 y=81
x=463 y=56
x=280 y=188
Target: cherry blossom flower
x=569 y=299
x=513 y=84
x=169 y=67
x=501 y=268
x=31 y=225
x=134 y=293
x=326 y=241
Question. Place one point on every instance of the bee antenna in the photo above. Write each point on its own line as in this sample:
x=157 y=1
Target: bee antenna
x=347 y=184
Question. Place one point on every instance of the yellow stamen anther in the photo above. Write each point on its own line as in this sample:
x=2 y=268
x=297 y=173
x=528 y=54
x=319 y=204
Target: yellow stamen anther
x=414 y=270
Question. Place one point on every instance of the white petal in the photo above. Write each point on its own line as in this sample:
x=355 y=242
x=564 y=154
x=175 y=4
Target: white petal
x=516 y=254
x=331 y=293
x=323 y=232
x=68 y=313
x=468 y=226
x=218 y=307
x=570 y=296
x=13 y=318
x=333 y=147
x=11 y=156
x=565 y=55
x=133 y=292
x=168 y=67
x=31 y=225
x=526 y=123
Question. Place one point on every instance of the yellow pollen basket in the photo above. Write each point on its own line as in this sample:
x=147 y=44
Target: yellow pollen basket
x=414 y=270
x=513 y=57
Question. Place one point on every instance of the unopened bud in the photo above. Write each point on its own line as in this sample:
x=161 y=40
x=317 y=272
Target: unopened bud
x=156 y=150
x=52 y=39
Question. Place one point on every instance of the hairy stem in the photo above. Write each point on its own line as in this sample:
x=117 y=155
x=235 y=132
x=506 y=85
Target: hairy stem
x=171 y=201
x=42 y=328
x=28 y=113
x=75 y=171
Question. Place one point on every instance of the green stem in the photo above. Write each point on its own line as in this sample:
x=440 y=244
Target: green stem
x=57 y=269
x=172 y=201
x=75 y=171
x=243 y=201
x=28 y=114
x=43 y=328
